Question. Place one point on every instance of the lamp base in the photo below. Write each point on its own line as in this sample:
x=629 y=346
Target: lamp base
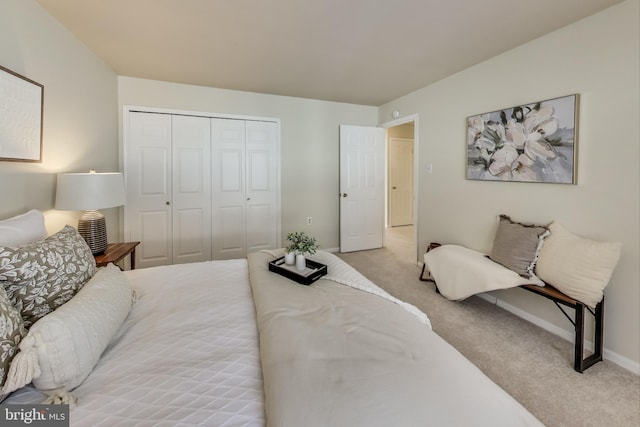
x=93 y=228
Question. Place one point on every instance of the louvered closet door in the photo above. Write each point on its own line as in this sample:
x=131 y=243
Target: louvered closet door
x=228 y=180
x=191 y=157
x=262 y=185
x=148 y=172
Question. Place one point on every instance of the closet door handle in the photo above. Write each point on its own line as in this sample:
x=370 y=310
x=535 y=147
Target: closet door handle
x=248 y=198
x=167 y=203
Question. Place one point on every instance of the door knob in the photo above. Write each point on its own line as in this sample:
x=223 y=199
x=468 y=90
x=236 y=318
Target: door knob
x=167 y=203
x=394 y=188
x=343 y=194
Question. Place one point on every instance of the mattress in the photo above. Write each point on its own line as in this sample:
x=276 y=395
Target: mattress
x=187 y=355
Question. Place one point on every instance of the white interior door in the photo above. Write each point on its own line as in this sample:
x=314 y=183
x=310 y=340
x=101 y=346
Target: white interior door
x=400 y=181
x=148 y=173
x=262 y=167
x=361 y=188
x=191 y=157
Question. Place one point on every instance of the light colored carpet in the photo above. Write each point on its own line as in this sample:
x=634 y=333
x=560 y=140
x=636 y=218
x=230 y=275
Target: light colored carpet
x=531 y=364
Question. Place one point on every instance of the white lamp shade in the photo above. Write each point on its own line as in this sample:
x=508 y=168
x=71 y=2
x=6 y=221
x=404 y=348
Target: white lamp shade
x=89 y=191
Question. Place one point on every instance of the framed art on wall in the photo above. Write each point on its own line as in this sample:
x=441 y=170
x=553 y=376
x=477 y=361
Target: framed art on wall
x=21 y=103
x=535 y=142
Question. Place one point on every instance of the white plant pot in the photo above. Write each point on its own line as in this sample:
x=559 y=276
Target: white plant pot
x=301 y=262
x=290 y=258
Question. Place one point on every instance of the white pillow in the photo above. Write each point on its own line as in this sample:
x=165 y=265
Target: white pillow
x=23 y=229
x=62 y=347
x=577 y=266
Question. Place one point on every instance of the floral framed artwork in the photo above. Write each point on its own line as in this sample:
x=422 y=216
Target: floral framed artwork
x=534 y=142
x=21 y=103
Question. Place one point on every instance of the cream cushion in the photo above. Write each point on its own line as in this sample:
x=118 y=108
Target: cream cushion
x=577 y=266
x=23 y=229
x=62 y=347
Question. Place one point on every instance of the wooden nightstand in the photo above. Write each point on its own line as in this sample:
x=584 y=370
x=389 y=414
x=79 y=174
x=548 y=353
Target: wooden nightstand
x=116 y=252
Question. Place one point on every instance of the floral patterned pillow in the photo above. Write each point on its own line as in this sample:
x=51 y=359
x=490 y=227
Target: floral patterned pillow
x=11 y=333
x=41 y=276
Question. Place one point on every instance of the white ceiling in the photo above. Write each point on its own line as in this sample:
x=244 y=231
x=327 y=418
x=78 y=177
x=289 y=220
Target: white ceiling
x=356 y=51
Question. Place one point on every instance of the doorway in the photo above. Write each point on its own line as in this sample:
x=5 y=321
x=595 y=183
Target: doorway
x=364 y=195
x=401 y=187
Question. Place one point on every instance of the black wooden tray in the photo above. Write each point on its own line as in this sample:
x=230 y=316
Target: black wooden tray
x=313 y=272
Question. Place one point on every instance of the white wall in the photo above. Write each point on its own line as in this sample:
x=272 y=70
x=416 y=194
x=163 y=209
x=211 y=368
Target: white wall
x=80 y=111
x=309 y=143
x=598 y=58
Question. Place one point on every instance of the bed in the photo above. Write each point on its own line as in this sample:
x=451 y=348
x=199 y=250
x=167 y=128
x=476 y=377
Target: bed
x=229 y=343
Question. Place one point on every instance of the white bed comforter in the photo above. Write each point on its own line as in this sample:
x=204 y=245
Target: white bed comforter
x=187 y=355
x=333 y=355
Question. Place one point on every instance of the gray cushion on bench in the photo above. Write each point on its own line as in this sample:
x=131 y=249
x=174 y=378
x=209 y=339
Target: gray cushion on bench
x=516 y=245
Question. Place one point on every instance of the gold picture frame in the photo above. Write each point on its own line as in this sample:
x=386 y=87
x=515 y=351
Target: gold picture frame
x=535 y=142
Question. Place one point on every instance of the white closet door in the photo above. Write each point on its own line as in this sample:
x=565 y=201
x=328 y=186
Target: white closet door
x=148 y=173
x=191 y=157
x=228 y=152
x=262 y=185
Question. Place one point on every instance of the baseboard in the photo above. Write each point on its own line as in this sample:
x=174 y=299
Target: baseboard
x=547 y=326
x=333 y=250
x=612 y=356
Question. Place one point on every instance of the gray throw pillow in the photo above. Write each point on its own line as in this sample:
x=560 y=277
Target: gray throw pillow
x=11 y=333
x=516 y=246
x=43 y=275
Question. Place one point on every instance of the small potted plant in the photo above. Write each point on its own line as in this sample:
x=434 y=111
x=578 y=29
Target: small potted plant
x=300 y=245
x=290 y=249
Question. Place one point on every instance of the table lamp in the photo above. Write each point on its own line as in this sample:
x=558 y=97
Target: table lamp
x=90 y=192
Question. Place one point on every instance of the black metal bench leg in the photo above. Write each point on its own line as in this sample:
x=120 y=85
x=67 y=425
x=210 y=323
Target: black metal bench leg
x=579 y=345
x=581 y=363
x=428 y=278
x=432 y=245
x=599 y=330
x=422 y=273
